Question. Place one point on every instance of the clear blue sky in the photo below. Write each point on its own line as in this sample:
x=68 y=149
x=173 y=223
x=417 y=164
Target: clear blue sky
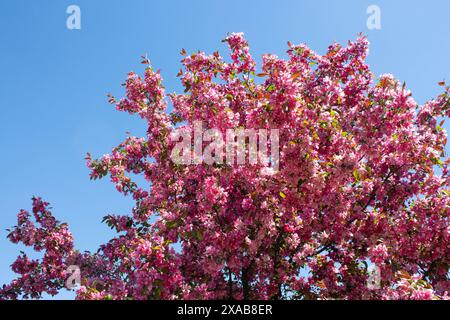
x=54 y=81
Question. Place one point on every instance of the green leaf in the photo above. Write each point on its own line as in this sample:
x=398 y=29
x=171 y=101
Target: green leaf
x=270 y=87
x=299 y=50
x=282 y=194
x=171 y=224
x=356 y=175
x=323 y=124
x=334 y=123
x=268 y=107
x=198 y=235
x=422 y=283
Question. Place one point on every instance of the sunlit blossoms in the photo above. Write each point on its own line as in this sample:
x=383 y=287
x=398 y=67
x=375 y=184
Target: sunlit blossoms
x=362 y=182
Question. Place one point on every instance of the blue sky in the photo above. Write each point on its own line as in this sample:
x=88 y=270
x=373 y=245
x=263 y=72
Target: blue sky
x=54 y=80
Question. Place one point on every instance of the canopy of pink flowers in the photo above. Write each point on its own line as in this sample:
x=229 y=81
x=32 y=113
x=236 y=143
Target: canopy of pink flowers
x=363 y=181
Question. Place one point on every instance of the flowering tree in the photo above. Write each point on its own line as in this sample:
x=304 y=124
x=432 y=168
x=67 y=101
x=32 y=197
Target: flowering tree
x=362 y=182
